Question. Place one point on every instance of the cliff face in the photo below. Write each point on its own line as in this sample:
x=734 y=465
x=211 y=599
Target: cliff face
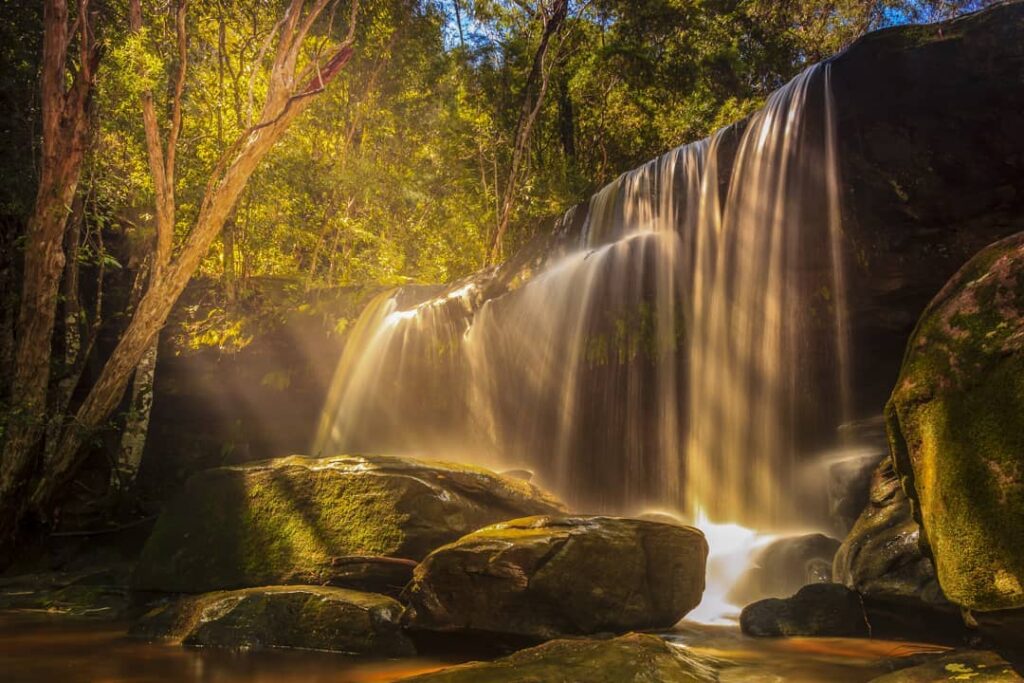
x=931 y=134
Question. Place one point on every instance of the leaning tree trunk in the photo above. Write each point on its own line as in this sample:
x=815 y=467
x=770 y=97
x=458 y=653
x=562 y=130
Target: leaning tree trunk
x=162 y=170
x=64 y=126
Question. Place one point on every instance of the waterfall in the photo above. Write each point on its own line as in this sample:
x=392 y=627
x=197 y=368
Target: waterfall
x=682 y=353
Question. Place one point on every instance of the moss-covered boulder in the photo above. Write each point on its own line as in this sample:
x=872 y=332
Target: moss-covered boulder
x=956 y=429
x=973 y=666
x=822 y=609
x=360 y=521
x=543 y=577
x=304 y=617
x=633 y=658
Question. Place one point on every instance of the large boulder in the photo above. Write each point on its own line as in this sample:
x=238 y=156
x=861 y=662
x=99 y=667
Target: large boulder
x=543 y=577
x=823 y=609
x=956 y=427
x=633 y=658
x=305 y=617
x=361 y=521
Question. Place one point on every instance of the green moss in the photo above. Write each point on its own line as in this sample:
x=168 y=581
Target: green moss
x=956 y=426
x=290 y=520
x=308 y=617
x=634 y=657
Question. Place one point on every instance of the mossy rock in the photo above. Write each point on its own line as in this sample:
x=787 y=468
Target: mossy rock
x=956 y=429
x=303 y=617
x=823 y=609
x=633 y=658
x=973 y=666
x=544 y=577
x=358 y=521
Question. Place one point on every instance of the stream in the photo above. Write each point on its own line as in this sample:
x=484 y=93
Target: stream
x=41 y=647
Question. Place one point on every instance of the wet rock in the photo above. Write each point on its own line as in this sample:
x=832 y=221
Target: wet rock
x=849 y=489
x=956 y=429
x=305 y=617
x=977 y=667
x=881 y=557
x=542 y=577
x=849 y=477
x=95 y=592
x=359 y=521
x=784 y=566
x=634 y=657
x=662 y=517
x=826 y=609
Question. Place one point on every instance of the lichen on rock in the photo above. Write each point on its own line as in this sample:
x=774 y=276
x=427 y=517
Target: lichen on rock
x=956 y=429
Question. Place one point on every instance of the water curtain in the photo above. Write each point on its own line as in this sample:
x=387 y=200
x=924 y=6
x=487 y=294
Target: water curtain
x=682 y=352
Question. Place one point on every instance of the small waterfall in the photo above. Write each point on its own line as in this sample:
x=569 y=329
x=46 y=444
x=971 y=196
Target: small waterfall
x=682 y=354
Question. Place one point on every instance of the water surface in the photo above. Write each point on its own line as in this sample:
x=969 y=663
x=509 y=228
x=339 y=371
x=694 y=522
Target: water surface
x=38 y=647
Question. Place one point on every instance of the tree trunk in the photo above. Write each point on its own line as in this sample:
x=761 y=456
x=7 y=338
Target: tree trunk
x=136 y=424
x=64 y=126
x=228 y=243
x=537 y=80
x=69 y=374
x=8 y=310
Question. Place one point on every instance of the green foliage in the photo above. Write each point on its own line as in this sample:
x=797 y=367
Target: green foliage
x=396 y=172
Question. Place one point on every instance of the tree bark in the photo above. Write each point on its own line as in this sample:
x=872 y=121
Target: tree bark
x=69 y=367
x=162 y=171
x=284 y=102
x=65 y=123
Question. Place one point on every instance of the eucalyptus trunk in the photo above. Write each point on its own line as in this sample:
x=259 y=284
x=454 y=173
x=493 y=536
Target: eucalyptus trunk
x=65 y=97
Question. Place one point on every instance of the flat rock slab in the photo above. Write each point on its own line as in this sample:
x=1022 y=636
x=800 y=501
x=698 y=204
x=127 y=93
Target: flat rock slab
x=548 y=576
x=303 y=617
x=341 y=520
x=973 y=666
x=637 y=658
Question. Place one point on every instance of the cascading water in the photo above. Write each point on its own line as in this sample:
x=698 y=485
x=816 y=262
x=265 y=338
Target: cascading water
x=673 y=357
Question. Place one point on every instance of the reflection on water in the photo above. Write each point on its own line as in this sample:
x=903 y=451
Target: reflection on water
x=42 y=648
x=800 y=660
